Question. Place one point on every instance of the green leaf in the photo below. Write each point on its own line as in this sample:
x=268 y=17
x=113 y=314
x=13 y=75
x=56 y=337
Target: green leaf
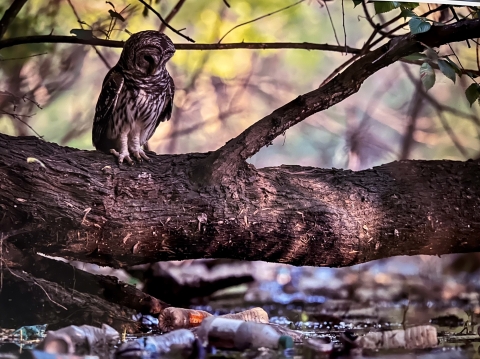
x=409 y=5
x=446 y=69
x=415 y=57
x=385 y=6
x=472 y=93
x=82 y=33
x=407 y=13
x=418 y=25
x=356 y=2
x=431 y=54
x=454 y=66
x=427 y=75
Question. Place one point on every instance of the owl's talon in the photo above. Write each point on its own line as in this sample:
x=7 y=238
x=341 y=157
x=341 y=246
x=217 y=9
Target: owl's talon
x=139 y=155
x=122 y=156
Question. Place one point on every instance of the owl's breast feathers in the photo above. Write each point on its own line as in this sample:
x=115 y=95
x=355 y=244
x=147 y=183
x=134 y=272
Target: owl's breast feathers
x=125 y=99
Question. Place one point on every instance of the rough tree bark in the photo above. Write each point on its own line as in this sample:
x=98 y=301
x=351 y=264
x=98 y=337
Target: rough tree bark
x=82 y=206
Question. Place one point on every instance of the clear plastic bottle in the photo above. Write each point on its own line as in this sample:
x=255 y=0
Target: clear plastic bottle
x=237 y=334
x=179 y=341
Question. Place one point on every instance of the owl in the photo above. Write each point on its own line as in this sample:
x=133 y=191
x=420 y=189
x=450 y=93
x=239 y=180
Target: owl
x=137 y=94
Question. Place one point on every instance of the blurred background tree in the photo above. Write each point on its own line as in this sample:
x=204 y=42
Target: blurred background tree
x=52 y=88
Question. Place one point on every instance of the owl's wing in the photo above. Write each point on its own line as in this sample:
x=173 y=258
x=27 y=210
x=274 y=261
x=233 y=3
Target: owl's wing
x=167 y=109
x=111 y=88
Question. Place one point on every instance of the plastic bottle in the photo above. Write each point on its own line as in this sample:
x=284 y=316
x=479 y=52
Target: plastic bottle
x=179 y=341
x=237 y=334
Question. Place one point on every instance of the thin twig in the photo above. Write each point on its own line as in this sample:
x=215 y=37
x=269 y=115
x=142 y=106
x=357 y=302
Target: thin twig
x=436 y=104
x=9 y=15
x=17 y=117
x=343 y=24
x=226 y=3
x=258 y=18
x=36 y=283
x=163 y=21
x=23 y=57
x=451 y=134
x=170 y=16
x=391 y=32
x=104 y=60
x=376 y=27
x=477 y=55
x=439 y=109
x=331 y=20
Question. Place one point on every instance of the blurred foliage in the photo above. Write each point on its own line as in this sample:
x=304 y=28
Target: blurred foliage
x=220 y=93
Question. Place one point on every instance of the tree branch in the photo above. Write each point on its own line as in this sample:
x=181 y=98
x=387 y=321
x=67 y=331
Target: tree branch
x=82 y=206
x=164 y=22
x=227 y=160
x=36 y=39
x=10 y=15
x=171 y=15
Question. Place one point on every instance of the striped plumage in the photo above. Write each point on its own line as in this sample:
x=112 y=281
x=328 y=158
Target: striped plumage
x=137 y=94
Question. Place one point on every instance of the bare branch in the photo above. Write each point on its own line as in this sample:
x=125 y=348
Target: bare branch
x=170 y=16
x=331 y=20
x=227 y=160
x=164 y=22
x=376 y=27
x=10 y=15
x=35 y=39
x=18 y=117
x=258 y=18
x=100 y=55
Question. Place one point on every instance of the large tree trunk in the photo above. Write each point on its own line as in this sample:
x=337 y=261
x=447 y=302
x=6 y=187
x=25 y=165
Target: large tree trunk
x=81 y=205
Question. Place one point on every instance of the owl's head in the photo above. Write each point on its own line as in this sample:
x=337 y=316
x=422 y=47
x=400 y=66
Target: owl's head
x=145 y=53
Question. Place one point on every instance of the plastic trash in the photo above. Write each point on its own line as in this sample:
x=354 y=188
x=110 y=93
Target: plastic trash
x=237 y=334
x=179 y=341
x=81 y=340
x=420 y=337
x=179 y=318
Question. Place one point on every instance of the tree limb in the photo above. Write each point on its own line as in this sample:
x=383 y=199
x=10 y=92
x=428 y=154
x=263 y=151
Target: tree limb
x=79 y=205
x=37 y=39
x=225 y=161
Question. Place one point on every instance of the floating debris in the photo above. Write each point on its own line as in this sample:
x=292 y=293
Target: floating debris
x=81 y=340
x=236 y=334
x=420 y=337
x=38 y=354
x=179 y=342
x=179 y=318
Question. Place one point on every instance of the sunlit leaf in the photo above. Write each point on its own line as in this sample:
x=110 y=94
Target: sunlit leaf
x=446 y=69
x=418 y=25
x=82 y=33
x=385 y=6
x=415 y=57
x=427 y=75
x=472 y=93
